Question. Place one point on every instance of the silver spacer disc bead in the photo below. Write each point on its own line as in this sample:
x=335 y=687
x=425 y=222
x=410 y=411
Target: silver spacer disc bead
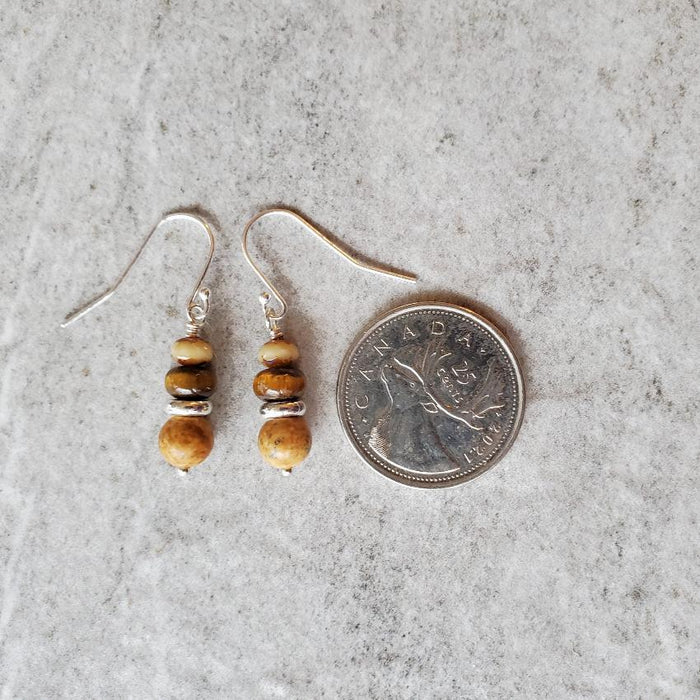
x=282 y=409
x=188 y=408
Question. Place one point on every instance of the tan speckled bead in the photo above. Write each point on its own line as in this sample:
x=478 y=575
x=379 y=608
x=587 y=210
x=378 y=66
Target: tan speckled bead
x=186 y=440
x=191 y=381
x=278 y=383
x=278 y=353
x=284 y=442
x=192 y=351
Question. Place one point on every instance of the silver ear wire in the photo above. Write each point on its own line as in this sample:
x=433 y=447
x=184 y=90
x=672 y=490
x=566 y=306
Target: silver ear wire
x=273 y=318
x=198 y=304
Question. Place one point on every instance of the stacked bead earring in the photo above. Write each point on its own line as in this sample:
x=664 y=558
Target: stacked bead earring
x=187 y=438
x=284 y=439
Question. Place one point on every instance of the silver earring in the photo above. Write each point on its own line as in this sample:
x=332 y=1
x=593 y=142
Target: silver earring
x=187 y=438
x=284 y=440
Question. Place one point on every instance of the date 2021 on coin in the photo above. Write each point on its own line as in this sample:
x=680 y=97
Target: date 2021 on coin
x=431 y=395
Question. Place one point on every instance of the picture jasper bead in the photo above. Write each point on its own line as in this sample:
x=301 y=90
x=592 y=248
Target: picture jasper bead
x=278 y=353
x=191 y=381
x=284 y=442
x=192 y=351
x=185 y=441
x=278 y=383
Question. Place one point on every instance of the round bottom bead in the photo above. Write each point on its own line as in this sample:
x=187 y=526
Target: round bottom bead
x=284 y=442
x=185 y=441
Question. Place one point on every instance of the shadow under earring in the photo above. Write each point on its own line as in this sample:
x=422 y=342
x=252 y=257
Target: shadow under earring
x=187 y=438
x=284 y=439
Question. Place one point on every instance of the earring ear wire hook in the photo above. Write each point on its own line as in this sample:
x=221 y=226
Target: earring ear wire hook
x=274 y=318
x=198 y=304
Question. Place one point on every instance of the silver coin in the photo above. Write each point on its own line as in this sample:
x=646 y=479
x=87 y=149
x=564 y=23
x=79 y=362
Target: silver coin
x=431 y=395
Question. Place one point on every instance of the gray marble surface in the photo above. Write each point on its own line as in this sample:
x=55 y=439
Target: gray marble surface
x=537 y=161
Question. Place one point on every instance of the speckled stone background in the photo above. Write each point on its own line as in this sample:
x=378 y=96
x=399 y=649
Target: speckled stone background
x=535 y=160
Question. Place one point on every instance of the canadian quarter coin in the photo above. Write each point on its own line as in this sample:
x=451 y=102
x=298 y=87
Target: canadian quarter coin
x=431 y=395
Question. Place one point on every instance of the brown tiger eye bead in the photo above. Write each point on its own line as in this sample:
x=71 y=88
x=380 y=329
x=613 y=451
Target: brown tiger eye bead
x=278 y=353
x=192 y=351
x=278 y=383
x=186 y=440
x=284 y=442
x=191 y=381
